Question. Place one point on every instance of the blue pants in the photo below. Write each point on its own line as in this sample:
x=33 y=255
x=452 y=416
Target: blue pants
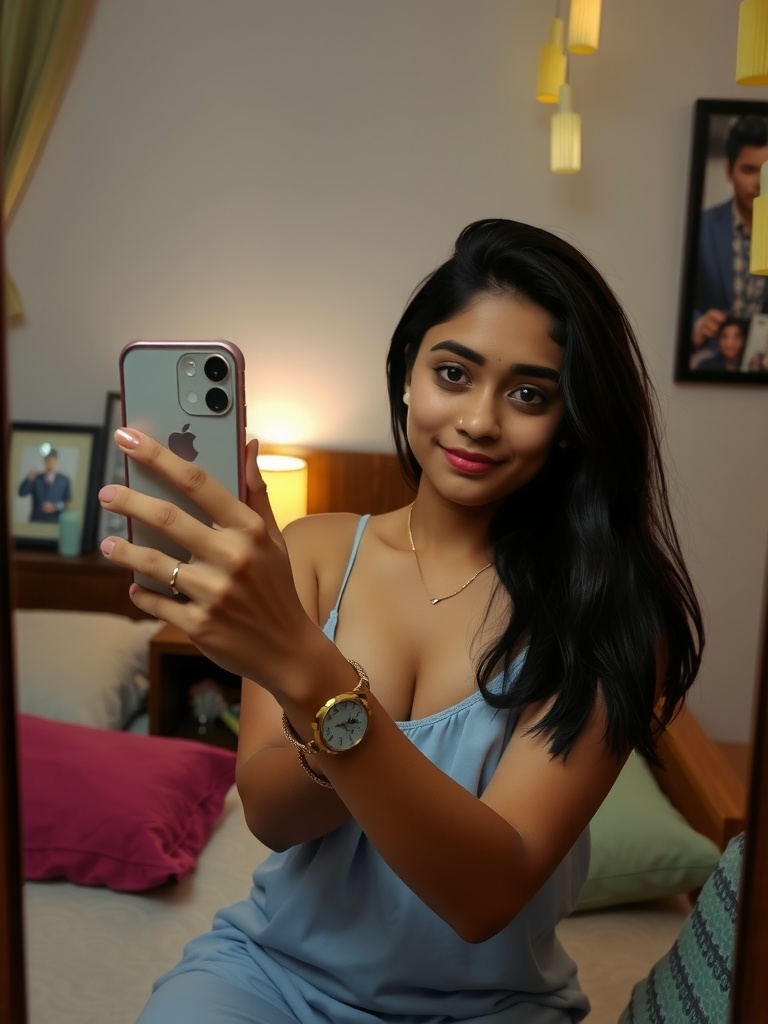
x=199 y=997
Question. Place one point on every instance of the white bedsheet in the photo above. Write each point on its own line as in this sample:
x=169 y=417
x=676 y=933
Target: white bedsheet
x=93 y=954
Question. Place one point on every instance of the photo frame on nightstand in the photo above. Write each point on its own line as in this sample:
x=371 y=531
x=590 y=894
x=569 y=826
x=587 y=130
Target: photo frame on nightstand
x=52 y=467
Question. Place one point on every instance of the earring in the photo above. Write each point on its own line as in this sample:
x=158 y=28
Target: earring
x=562 y=444
x=407 y=398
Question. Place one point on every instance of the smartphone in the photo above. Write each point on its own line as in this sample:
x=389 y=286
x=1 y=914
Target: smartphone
x=190 y=396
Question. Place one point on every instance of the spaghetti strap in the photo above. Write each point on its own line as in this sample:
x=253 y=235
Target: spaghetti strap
x=330 y=627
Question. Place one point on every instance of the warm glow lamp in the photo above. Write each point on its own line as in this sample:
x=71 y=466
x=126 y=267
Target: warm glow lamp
x=565 y=136
x=584 y=26
x=752 y=45
x=758 y=251
x=551 y=64
x=286 y=480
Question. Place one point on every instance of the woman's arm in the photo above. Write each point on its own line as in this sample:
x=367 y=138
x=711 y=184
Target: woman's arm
x=283 y=805
x=475 y=861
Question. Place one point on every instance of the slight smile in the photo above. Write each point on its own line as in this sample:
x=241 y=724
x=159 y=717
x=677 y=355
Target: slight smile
x=468 y=462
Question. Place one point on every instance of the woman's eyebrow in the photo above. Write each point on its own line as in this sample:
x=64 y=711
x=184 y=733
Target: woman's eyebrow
x=460 y=350
x=534 y=370
x=519 y=369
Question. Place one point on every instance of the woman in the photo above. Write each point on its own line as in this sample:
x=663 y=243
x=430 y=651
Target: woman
x=519 y=624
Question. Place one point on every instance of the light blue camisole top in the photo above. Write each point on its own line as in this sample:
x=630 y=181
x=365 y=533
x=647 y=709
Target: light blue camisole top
x=340 y=935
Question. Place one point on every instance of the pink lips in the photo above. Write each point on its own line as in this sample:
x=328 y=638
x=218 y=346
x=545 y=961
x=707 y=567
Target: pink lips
x=468 y=462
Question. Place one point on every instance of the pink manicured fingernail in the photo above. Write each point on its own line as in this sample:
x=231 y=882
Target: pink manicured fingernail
x=125 y=439
x=107 y=546
x=107 y=493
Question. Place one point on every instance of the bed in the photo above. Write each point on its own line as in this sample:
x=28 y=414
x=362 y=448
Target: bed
x=94 y=949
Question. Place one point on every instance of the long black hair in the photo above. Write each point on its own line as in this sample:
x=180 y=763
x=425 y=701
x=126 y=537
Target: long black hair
x=587 y=550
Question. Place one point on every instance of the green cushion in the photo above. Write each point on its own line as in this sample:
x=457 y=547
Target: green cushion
x=692 y=982
x=642 y=848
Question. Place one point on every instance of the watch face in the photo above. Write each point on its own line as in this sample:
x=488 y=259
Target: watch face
x=344 y=724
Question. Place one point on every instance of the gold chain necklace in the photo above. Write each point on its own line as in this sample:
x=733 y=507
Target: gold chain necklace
x=437 y=600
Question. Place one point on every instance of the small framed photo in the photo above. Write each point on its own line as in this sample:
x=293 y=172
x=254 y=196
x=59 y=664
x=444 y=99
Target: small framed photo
x=52 y=467
x=112 y=470
x=723 y=316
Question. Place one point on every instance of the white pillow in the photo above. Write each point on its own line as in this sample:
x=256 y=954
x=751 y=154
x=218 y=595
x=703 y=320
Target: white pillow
x=85 y=667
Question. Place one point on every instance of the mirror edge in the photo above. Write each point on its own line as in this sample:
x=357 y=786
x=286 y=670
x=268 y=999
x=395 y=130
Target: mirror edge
x=13 y=1009
x=751 y=954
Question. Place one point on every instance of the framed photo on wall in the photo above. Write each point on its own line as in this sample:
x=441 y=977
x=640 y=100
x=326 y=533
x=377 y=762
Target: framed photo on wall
x=112 y=470
x=723 y=317
x=52 y=467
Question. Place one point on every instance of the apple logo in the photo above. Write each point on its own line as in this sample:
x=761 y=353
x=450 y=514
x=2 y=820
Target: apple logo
x=183 y=444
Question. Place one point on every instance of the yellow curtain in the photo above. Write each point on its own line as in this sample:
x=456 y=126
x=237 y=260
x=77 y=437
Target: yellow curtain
x=38 y=43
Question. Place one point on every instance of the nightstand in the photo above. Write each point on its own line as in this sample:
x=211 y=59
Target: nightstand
x=175 y=664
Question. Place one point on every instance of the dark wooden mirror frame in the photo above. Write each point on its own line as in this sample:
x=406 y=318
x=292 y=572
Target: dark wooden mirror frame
x=12 y=988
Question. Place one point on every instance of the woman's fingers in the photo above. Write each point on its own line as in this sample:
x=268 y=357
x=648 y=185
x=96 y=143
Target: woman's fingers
x=179 y=581
x=257 y=496
x=177 y=578
x=166 y=608
x=179 y=526
x=207 y=493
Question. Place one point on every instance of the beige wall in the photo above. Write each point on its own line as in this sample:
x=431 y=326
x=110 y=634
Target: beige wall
x=282 y=173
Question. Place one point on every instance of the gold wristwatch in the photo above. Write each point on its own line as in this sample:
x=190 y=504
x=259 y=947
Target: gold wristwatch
x=340 y=724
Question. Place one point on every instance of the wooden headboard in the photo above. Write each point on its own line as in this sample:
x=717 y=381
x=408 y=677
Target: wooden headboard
x=700 y=781
x=342 y=481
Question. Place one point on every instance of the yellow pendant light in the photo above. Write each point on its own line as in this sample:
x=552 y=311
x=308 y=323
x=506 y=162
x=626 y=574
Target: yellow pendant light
x=752 y=45
x=565 y=136
x=584 y=26
x=758 y=251
x=551 y=64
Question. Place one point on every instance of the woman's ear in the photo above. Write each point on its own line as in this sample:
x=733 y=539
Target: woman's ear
x=407 y=384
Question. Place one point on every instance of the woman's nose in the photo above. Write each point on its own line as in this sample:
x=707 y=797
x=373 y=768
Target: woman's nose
x=479 y=416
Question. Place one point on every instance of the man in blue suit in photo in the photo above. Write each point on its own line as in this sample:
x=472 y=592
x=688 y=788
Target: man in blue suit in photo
x=51 y=492
x=724 y=285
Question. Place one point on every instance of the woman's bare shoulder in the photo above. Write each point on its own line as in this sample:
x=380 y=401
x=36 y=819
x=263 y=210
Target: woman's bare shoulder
x=314 y=532
x=319 y=547
x=325 y=540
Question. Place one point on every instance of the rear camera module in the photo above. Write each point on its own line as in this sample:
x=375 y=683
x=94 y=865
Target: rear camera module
x=216 y=368
x=217 y=399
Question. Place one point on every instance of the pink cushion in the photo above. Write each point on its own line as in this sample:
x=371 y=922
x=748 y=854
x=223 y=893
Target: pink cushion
x=103 y=807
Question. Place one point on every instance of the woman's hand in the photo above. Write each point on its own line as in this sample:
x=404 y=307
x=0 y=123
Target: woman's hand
x=237 y=602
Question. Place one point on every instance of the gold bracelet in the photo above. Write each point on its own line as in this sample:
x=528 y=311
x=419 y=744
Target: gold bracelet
x=319 y=779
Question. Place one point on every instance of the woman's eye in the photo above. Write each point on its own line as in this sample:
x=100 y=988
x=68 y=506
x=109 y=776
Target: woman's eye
x=452 y=374
x=528 y=395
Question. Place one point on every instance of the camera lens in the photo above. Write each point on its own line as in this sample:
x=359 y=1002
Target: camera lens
x=216 y=368
x=217 y=400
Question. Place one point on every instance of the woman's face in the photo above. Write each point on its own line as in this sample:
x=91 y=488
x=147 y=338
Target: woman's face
x=485 y=401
